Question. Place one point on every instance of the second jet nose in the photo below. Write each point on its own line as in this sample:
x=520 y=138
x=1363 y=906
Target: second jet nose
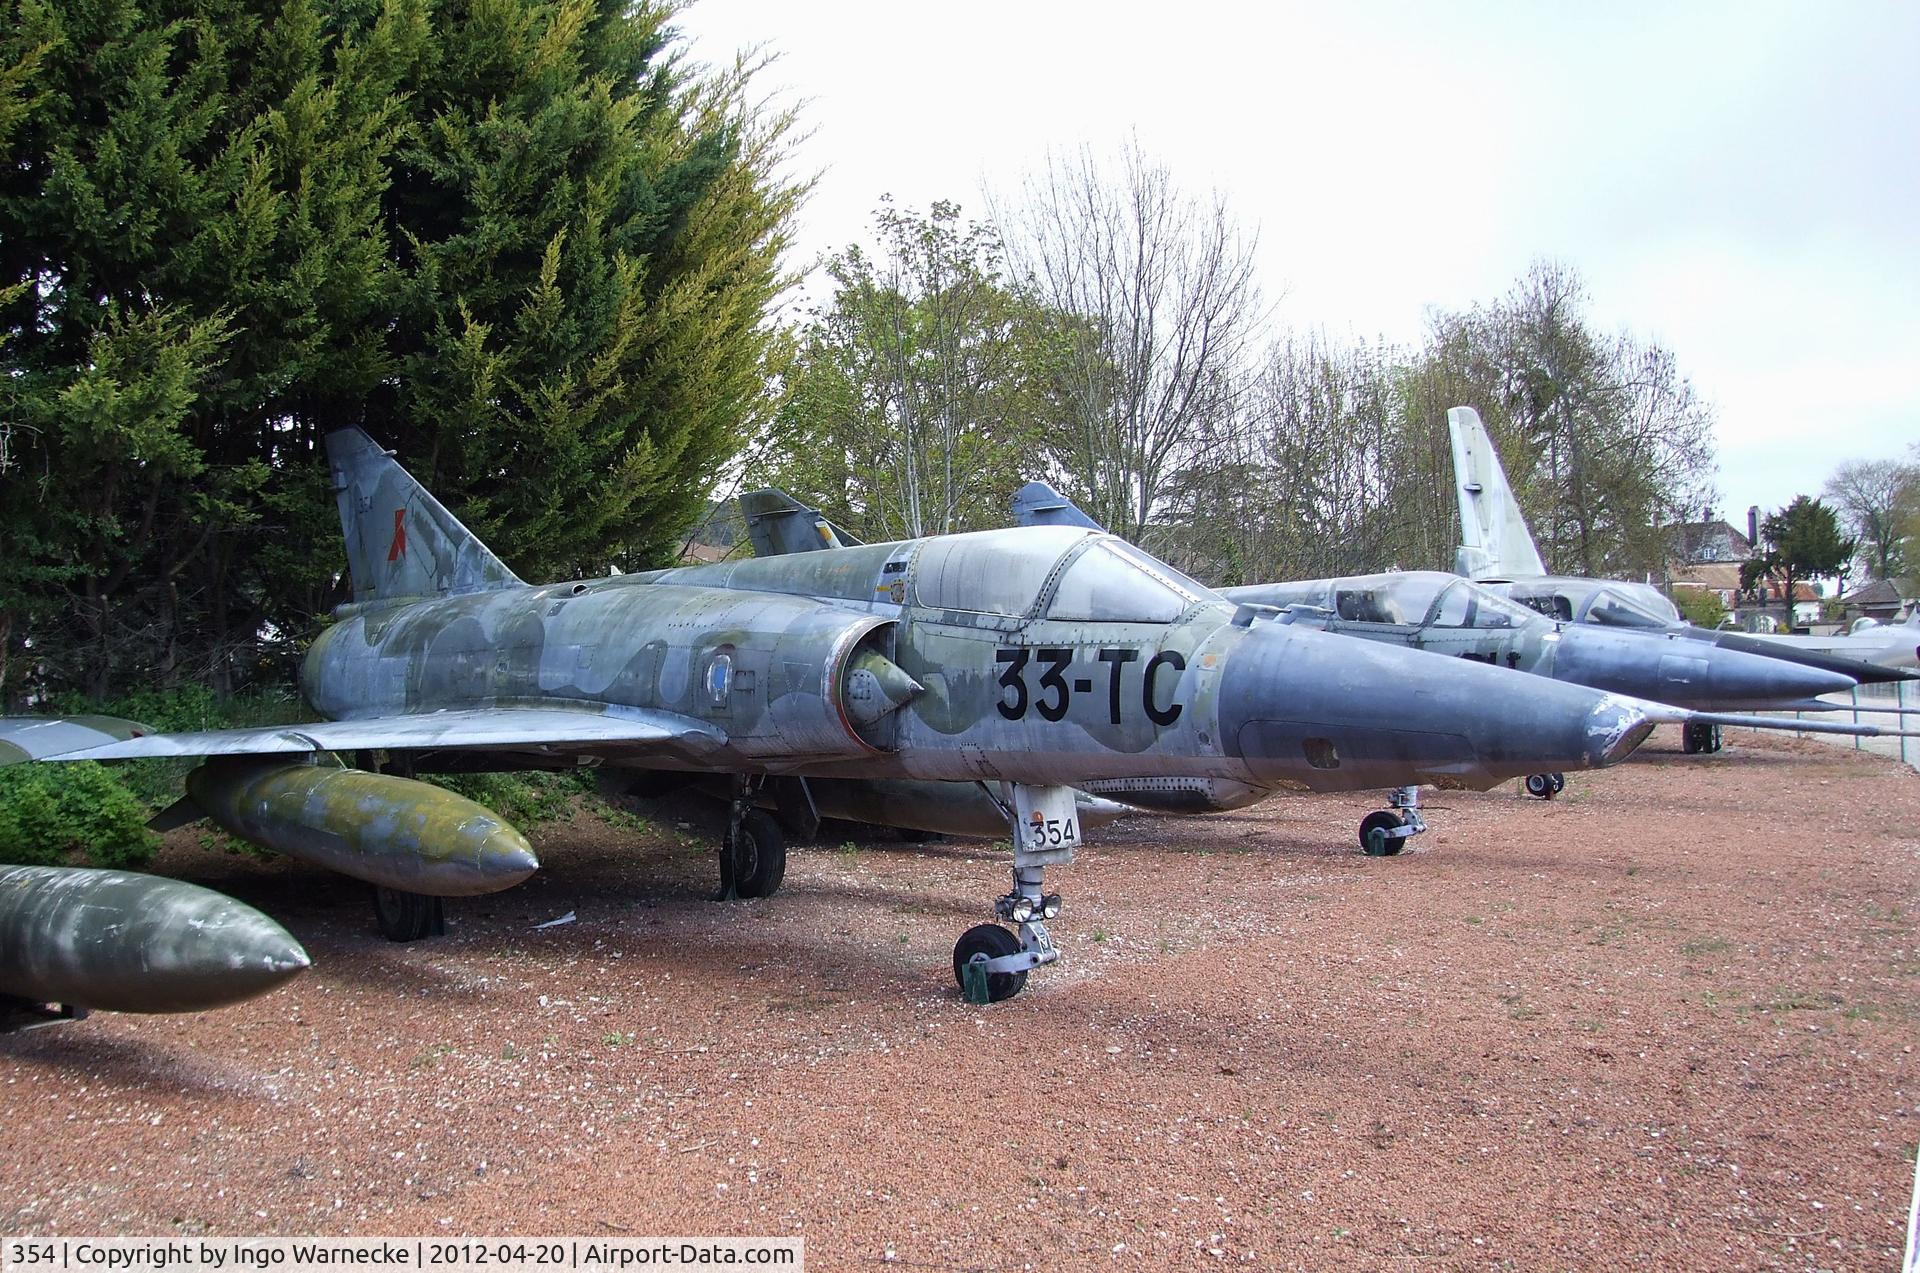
x=1685 y=673
x=1736 y=679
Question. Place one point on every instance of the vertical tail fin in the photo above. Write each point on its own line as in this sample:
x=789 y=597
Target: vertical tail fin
x=400 y=541
x=1494 y=540
x=778 y=524
x=1038 y=504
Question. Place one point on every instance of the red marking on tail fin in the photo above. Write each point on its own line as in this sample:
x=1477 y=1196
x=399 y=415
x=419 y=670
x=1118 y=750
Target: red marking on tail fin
x=399 y=547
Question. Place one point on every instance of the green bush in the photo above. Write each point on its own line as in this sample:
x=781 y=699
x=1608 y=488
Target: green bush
x=521 y=798
x=49 y=813
x=1699 y=606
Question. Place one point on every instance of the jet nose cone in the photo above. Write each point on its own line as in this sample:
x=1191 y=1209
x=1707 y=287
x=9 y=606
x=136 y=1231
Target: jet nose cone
x=1685 y=673
x=1738 y=679
x=1615 y=728
x=1336 y=713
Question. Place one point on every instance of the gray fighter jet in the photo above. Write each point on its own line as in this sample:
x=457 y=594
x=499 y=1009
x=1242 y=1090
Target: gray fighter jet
x=1024 y=660
x=1497 y=549
x=1445 y=614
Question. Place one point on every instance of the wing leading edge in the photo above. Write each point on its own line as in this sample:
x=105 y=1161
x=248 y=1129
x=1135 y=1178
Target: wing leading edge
x=557 y=728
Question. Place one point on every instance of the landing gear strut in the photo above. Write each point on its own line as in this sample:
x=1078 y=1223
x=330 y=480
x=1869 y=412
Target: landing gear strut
x=25 y=1014
x=404 y=916
x=1384 y=833
x=1546 y=786
x=990 y=963
x=399 y=915
x=753 y=854
x=1699 y=736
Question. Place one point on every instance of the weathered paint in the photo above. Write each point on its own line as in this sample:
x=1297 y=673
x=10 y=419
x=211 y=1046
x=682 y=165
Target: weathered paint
x=387 y=830
x=121 y=942
x=1128 y=685
x=35 y=737
x=401 y=542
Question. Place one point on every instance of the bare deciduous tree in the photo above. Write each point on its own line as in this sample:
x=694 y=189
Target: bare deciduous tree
x=1155 y=303
x=1604 y=440
x=1876 y=499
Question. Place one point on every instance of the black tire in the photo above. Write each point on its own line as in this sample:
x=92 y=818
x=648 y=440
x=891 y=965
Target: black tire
x=403 y=916
x=1382 y=846
x=1540 y=786
x=1713 y=738
x=1559 y=783
x=759 y=856
x=1696 y=738
x=992 y=941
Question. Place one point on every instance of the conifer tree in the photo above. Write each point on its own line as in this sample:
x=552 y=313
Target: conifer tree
x=518 y=241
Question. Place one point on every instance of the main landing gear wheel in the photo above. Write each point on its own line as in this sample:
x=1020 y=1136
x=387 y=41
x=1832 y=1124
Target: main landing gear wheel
x=983 y=942
x=1546 y=786
x=1699 y=736
x=404 y=916
x=757 y=852
x=1375 y=841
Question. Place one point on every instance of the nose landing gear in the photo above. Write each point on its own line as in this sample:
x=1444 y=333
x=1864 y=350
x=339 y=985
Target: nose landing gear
x=1385 y=832
x=990 y=963
x=1697 y=737
x=1546 y=786
x=753 y=853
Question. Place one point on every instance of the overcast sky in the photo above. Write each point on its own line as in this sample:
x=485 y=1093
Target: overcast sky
x=1738 y=181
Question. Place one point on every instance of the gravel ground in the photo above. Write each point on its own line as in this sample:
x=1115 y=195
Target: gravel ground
x=1667 y=1020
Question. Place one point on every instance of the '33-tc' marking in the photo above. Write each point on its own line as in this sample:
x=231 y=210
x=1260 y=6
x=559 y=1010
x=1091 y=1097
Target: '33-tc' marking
x=1055 y=692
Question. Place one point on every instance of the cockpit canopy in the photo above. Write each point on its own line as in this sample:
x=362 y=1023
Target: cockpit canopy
x=1003 y=572
x=1410 y=598
x=1613 y=602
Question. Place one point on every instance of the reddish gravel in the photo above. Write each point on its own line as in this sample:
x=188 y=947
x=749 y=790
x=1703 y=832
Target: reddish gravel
x=1668 y=1020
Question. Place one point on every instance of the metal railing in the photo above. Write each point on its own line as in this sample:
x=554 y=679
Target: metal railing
x=1898 y=694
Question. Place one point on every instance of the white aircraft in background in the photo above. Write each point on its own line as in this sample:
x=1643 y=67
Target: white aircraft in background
x=1497 y=549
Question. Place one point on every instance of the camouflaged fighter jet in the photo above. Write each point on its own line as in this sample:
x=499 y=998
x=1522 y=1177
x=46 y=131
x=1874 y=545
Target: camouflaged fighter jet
x=1024 y=660
x=1498 y=551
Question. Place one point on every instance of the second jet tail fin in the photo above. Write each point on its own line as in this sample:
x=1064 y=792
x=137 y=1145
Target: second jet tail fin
x=779 y=524
x=1038 y=504
x=1494 y=540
